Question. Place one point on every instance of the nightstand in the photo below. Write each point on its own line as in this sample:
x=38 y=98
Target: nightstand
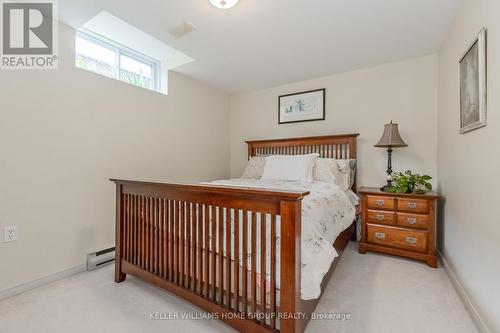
x=399 y=224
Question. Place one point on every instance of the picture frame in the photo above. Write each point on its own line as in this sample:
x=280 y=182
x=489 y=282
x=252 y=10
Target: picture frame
x=302 y=106
x=473 y=85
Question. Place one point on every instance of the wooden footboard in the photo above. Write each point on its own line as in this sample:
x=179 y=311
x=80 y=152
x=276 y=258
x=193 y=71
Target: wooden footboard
x=188 y=239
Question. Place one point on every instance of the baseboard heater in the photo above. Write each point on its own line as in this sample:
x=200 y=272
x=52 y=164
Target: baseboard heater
x=100 y=258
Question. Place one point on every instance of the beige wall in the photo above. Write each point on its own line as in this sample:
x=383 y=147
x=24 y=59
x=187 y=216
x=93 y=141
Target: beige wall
x=469 y=165
x=361 y=101
x=63 y=133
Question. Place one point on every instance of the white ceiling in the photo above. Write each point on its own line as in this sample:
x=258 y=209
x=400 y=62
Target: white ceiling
x=262 y=43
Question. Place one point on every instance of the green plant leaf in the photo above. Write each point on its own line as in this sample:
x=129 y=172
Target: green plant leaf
x=408 y=181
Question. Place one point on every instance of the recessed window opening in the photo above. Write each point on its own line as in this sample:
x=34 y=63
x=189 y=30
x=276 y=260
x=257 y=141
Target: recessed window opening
x=105 y=57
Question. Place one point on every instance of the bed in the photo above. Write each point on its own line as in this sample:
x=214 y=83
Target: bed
x=234 y=248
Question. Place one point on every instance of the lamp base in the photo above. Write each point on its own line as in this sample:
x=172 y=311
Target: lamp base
x=386 y=187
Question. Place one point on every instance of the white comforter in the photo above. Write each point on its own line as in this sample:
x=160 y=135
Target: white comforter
x=326 y=212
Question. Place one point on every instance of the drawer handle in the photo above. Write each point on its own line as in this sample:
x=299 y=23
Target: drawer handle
x=412 y=221
x=380 y=202
x=411 y=240
x=380 y=217
x=380 y=235
x=412 y=205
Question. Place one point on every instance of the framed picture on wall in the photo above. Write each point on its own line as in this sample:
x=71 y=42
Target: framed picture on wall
x=303 y=106
x=473 y=85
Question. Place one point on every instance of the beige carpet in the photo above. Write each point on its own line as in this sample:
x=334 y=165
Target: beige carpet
x=381 y=294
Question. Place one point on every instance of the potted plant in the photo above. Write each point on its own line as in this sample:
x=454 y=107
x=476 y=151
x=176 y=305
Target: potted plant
x=409 y=182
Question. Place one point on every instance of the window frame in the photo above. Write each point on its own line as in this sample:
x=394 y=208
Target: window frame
x=120 y=50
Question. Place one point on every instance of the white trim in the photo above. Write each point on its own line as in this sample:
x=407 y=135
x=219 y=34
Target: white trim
x=476 y=317
x=6 y=293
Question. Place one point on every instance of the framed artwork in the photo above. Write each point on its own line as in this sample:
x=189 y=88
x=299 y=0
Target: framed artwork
x=303 y=106
x=473 y=85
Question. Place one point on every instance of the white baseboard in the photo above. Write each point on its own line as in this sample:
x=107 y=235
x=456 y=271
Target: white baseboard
x=6 y=293
x=476 y=317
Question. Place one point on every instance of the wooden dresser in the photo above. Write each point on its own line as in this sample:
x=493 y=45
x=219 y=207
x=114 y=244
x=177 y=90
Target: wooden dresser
x=399 y=224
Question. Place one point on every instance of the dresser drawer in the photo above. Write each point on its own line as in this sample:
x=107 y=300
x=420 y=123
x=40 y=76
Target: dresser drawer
x=413 y=205
x=412 y=240
x=380 y=217
x=414 y=221
x=380 y=202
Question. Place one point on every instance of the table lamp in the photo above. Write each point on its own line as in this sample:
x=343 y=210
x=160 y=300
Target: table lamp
x=390 y=139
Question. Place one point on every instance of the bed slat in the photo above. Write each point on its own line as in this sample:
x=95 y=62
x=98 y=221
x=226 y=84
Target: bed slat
x=156 y=227
x=253 y=283
x=244 y=274
x=236 y=263
x=187 y=248
x=213 y=250
x=220 y=237
x=171 y=232
x=206 y=264
x=262 y=288
x=176 y=241
x=227 y=284
x=199 y=254
x=272 y=300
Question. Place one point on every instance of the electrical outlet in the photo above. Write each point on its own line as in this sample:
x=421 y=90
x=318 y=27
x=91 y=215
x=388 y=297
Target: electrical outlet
x=10 y=233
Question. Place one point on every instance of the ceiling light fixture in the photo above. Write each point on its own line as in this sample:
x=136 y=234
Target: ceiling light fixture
x=224 y=4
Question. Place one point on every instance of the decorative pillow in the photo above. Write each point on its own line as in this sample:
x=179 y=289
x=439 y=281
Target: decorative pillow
x=346 y=173
x=254 y=167
x=340 y=172
x=324 y=170
x=290 y=167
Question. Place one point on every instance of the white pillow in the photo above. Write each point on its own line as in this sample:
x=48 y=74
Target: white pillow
x=254 y=167
x=340 y=172
x=290 y=167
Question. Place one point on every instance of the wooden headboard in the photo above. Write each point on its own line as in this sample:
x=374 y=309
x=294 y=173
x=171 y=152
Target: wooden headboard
x=329 y=146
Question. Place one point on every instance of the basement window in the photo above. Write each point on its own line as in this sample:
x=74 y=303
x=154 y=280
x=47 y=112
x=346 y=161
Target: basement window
x=105 y=57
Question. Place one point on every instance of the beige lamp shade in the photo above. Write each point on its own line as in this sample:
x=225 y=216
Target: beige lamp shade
x=391 y=137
